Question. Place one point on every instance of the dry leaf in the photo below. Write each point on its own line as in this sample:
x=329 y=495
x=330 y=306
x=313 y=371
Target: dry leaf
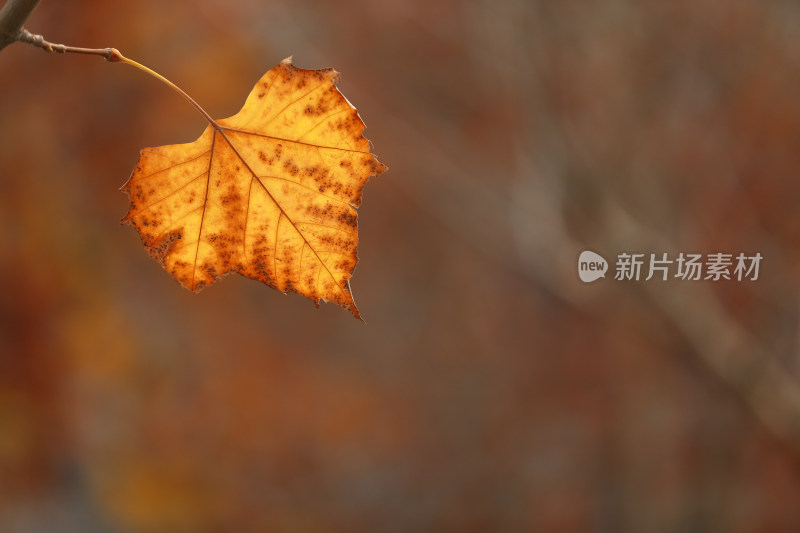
x=270 y=193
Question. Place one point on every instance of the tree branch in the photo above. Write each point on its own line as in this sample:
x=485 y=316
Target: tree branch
x=12 y=17
x=110 y=54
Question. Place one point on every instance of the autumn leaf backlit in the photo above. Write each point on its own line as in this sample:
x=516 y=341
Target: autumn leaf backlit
x=270 y=193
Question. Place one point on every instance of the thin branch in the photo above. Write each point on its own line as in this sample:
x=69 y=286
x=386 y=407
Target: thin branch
x=109 y=54
x=12 y=17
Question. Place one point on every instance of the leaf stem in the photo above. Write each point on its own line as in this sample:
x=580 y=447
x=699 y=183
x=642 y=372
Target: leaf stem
x=131 y=62
x=114 y=56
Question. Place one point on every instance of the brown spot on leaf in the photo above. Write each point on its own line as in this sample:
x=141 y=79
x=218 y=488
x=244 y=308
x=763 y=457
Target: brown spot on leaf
x=159 y=249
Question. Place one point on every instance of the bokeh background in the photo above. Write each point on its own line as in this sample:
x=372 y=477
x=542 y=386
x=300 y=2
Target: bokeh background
x=490 y=390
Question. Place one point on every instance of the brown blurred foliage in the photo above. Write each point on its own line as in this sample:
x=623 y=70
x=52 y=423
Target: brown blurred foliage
x=490 y=389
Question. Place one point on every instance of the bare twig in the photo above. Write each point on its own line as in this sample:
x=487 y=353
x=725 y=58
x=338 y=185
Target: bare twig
x=12 y=17
x=110 y=54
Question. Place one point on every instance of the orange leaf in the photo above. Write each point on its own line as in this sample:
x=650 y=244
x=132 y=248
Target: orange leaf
x=270 y=193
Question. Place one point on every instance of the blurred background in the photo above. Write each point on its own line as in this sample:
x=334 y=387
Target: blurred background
x=490 y=389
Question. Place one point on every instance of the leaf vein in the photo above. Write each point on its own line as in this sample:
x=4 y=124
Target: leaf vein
x=174 y=222
x=318 y=146
x=290 y=104
x=174 y=165
x=325 y=226
x=275 y=249
x=315 y=191
x=321 y=122
x=205 y=203
x=246 y=222
x=145 y=208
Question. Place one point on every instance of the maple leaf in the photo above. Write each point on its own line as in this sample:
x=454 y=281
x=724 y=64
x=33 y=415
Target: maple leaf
x=270 y=193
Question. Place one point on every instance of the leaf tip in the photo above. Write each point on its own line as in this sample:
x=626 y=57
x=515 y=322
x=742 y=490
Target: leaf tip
x=378 y=168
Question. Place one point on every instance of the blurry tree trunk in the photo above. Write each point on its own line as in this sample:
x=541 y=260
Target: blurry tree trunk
x=12 y=17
